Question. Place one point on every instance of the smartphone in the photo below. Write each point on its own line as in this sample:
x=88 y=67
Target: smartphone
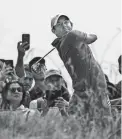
x=26 y=38
x=9 y=63
x=52 y=96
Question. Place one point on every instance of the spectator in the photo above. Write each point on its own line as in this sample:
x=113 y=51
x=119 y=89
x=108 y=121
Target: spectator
x=2 y=65
x=7 y=74
x=10 y=95
x=78 y=59
x=113 y=93
x=120 y=64
x=55 y=82
x=38 y=71
x=119 y=85
x=27 y=84
x=56 y=94
x=12 y=99
x=27 y=80
x=1 y=82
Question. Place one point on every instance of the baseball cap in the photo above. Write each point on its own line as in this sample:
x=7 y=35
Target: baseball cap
x=35 y=59
x=52 y=72
x=55 y=20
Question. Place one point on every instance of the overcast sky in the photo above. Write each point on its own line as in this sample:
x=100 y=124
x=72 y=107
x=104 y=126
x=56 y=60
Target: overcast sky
x=101 y=17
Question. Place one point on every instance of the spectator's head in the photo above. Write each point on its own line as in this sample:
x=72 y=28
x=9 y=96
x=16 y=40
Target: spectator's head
x=13 y=93
x=38 y=70
x=28 y=79
x=61 y=25
x=55 y=86
x=53 y=80
x=120 y=64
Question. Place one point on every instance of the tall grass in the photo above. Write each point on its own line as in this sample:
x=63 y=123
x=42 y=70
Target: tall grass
x=53 y=126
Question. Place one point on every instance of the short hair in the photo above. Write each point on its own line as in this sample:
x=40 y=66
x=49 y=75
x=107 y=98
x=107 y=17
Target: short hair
x=34 y=60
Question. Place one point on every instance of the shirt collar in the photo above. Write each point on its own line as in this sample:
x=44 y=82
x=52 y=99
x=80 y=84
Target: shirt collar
x=56 y=42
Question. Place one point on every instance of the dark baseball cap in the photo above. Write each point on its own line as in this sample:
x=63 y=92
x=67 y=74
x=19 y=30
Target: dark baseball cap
x=35 y=59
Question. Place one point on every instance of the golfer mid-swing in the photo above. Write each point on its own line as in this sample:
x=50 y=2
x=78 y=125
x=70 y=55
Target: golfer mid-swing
x=78 y=59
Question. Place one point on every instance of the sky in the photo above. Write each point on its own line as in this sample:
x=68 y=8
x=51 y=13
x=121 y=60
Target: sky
x=100 y=17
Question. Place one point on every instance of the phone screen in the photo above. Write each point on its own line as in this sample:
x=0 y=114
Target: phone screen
x=26 y=38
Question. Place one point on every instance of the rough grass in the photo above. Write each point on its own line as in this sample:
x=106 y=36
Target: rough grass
x=54 y=126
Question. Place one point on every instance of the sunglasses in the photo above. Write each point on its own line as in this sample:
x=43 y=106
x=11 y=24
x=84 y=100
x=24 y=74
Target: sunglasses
x=38 y=67
x=13 y=90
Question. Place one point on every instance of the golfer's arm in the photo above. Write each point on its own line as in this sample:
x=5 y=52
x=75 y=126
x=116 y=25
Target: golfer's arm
x=90 y=38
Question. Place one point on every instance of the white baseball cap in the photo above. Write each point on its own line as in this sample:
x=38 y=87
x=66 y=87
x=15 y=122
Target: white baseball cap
x=55 y=19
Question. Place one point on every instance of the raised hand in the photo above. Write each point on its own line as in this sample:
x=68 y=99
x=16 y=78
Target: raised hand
x=22 y=48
